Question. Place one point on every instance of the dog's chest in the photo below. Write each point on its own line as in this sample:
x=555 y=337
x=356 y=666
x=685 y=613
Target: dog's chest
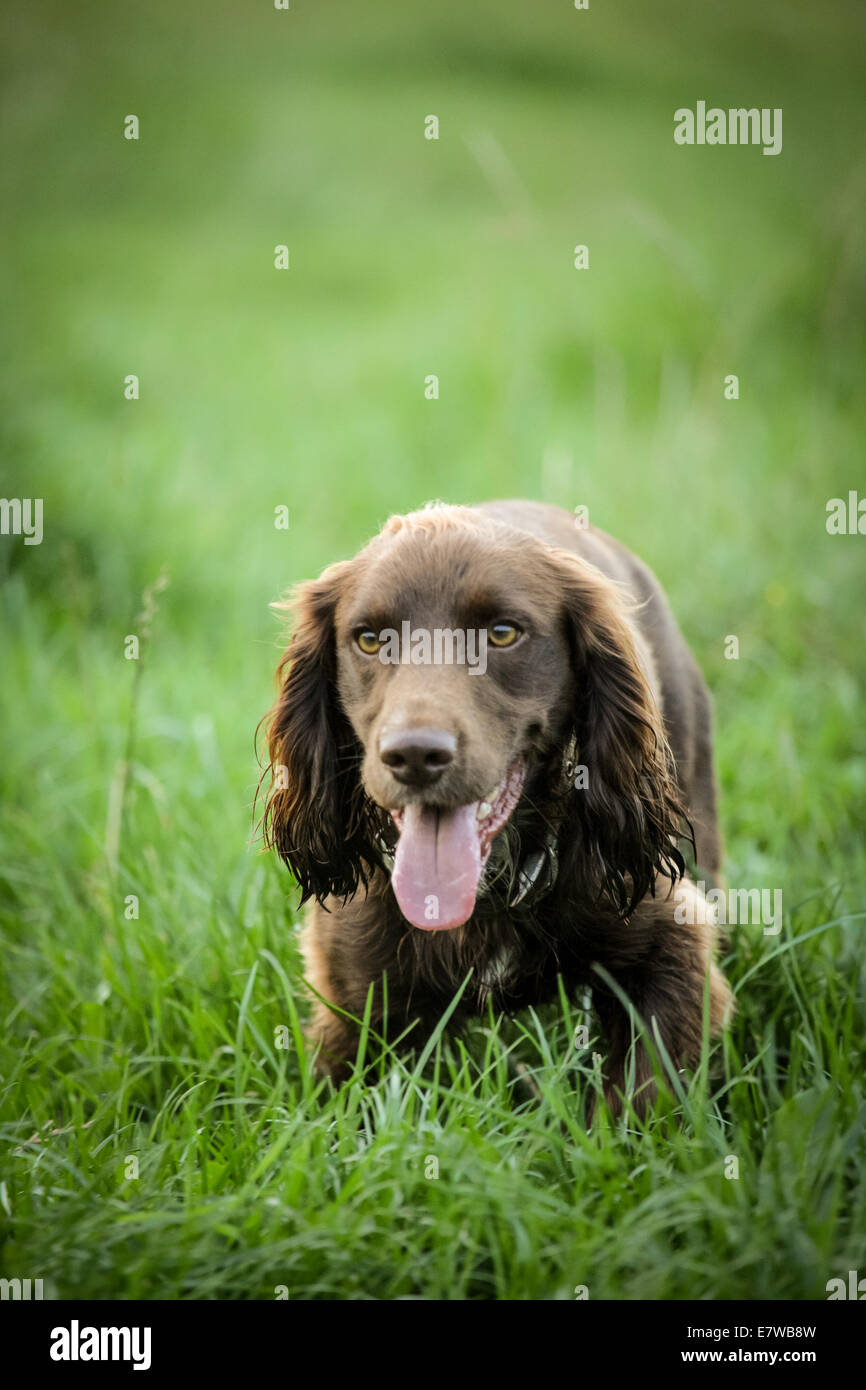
x=498 y=968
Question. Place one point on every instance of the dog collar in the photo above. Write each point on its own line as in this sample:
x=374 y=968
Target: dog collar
x=537 y=872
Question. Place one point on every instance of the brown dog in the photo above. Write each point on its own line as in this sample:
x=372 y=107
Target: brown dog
x=489 y=739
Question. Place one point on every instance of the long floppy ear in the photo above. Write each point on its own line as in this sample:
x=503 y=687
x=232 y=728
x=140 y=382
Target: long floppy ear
x=315 y=815
x=630 y=814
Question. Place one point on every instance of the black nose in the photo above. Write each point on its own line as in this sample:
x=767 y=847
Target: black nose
x=417 y=757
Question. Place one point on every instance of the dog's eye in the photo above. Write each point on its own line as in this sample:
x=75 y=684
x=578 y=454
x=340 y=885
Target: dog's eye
x=367 y=641
x=503 y=634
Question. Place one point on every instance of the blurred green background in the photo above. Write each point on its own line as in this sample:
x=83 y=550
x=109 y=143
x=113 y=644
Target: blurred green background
x=305 y=388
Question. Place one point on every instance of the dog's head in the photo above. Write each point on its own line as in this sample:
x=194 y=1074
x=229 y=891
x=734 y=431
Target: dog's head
x=430 y=686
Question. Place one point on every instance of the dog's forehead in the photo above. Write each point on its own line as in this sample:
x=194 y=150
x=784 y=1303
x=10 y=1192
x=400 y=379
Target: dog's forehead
x=449 y=566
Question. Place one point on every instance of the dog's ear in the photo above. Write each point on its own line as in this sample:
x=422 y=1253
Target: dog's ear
x=629 y=815
x=315 y=815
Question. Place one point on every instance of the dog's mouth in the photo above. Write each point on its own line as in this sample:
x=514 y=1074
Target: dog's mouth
x=441 y=853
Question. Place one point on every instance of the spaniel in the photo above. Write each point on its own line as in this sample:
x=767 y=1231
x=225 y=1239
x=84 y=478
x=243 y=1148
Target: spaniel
x=489 y=745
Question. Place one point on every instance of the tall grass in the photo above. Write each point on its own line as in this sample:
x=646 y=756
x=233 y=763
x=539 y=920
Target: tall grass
x=174 y=1037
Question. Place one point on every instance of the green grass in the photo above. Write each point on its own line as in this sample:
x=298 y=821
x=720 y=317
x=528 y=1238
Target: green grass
x=156 y=1037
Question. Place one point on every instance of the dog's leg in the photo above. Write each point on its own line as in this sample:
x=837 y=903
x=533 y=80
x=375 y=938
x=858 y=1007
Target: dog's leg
x=661 y=964
x=329 y=1034
x=348 y=951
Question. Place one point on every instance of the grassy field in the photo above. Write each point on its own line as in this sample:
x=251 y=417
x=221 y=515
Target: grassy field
x=156 y=1140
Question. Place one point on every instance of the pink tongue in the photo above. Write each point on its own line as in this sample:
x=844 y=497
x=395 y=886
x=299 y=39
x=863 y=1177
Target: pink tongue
x=437 y=866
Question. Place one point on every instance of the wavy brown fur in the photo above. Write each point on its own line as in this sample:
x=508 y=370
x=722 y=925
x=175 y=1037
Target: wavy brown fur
x=607 y=673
